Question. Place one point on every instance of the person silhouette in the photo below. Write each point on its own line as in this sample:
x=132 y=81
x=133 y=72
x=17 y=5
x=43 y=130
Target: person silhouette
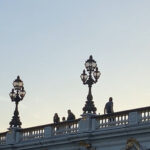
x=71 y=116
x=109 y=107
x=56 y=118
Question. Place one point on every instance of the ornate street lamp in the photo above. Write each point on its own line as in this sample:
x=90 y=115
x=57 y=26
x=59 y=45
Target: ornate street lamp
x=90 y=79
x=17 y=94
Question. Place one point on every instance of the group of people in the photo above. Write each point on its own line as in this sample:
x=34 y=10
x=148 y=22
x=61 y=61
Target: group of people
x=71 y=116
x=108 y=109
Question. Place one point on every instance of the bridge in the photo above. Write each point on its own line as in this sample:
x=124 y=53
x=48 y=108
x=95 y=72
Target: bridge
x=123 y=130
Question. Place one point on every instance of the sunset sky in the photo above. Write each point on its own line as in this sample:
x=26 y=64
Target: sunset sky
x=47 y=42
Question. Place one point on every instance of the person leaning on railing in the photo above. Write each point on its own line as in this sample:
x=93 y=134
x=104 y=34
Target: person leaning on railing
x=56 y=118
x=71 y=116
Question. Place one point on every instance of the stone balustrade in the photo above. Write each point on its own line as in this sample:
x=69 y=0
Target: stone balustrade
x=32 y=133
x=115 y=119
x=123 y=118
x=3 y=138
x=66 y=127
x=144 y=115
x=87 y=123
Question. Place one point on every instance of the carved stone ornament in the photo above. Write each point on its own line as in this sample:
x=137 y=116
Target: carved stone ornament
x=86 y=145
x=132 y=144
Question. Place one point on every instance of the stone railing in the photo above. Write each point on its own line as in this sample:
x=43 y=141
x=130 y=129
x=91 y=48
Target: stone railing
x=88 y=123
x=3 y=138
x=144 y=115
x=116 y=119
x=123 y=118
x=66 y=127
x=32 y=133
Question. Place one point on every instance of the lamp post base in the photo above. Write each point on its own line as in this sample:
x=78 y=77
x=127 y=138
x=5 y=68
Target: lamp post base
x=15 y=122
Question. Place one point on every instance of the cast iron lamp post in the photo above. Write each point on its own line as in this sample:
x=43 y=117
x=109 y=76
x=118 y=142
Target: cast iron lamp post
x=90 y=79
x=17 y=94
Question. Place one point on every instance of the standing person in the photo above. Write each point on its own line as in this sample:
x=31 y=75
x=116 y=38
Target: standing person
x=109 y=106
x=56 y=118
x=71 y=116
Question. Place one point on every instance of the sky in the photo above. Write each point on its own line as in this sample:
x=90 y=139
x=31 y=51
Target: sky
x=47 y=42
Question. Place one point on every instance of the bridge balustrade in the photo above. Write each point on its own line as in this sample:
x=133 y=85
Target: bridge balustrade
x=66 y=127
x=124 y=118
x=3 y=138
x=95 y=123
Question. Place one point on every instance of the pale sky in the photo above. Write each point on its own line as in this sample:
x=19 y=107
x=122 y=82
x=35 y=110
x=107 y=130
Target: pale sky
x=47 y=42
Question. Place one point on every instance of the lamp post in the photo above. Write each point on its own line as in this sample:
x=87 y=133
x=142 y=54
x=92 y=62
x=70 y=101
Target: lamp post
x=90 y=79
x=17 y=94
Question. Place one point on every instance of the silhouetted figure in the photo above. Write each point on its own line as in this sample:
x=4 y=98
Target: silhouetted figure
x=109 y=109
x=109 y=106
x=71 y=116
x=63 y=119
x=56 y=118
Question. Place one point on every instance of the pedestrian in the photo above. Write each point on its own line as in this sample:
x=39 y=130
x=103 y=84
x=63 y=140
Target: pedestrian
x=56 y=118
x=109 y=110
x=109 y=106
x=63 y=119
x=71 y=116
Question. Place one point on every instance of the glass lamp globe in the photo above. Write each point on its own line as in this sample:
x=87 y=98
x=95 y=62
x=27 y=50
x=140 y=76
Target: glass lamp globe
x=90 y=64
x=96 y=74
x=22 y=93
x=84 y=76
x=12 y=95
x=18 y=84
